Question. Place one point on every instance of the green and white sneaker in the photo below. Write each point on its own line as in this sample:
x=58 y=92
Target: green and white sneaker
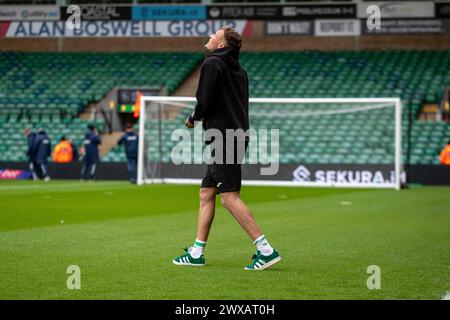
x=187 y=260
x=261 y=262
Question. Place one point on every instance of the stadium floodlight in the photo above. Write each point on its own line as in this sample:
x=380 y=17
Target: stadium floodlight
x=325 y=142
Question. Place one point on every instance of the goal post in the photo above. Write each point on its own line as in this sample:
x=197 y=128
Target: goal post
x=325 y=142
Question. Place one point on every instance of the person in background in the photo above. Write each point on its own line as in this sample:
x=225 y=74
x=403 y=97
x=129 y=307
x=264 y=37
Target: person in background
x=130 y=141
x=91 y=154
x=42 y=147
x=75 y=153
x=63 y=152
x=31 y=136
x=445 y=155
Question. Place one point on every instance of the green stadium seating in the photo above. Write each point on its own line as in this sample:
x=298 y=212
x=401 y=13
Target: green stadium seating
x=49 y=89
x=417 y=77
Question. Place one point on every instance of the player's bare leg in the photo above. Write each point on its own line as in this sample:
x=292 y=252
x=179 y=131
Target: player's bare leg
x=206 y=212
x=265 y=255
x=233 y=203
x=194 y=255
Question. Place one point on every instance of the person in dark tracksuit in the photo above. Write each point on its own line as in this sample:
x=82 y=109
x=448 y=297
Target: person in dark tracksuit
x=130 y=141
x=42 y=149
x=75 y=152
x=31 y=136
x=91 y=155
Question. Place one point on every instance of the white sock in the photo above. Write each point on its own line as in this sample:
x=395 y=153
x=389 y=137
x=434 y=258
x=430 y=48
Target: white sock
x=263 y=246
x=197 y=249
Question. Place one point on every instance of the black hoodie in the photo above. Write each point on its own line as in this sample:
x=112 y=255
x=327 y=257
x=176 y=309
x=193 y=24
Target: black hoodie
x=222 y=93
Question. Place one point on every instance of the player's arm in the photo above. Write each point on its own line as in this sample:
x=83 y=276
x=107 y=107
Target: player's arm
x=30 y=145
x=49 y=148
x=206 y=93
x=35 y=146
x=189 y=122
x=96 y=140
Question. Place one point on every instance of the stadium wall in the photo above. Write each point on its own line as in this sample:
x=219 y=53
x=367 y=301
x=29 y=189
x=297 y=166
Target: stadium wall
x=281 y=43
x=72 y=171
x=257 y=41
x=276 y=27
x=417 y=174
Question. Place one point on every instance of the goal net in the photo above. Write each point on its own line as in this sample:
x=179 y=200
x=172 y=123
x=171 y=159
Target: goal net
x=342 y=142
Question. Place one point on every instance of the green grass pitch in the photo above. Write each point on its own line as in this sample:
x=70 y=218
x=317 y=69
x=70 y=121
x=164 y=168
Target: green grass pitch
x=124 y=238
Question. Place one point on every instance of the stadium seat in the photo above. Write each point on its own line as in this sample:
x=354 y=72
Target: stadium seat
x=36 y=87
x=40 y=85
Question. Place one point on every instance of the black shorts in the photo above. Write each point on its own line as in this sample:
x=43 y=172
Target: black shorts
x=225 y=177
